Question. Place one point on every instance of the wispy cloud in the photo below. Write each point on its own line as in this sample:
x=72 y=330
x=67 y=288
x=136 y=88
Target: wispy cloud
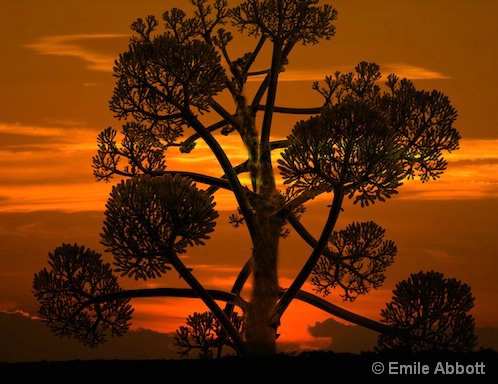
x=25 y=130
x=472 y=174
x=71 y=46
x=413 y=72
x=402 y=70
x=50 y=168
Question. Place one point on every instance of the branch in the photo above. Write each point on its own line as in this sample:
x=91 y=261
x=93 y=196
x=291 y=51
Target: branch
x=303 y=275
x=204 y=179
x=237 y=287
x=238 y=170
x=237 y=188
x=344 y=314
x=254 y=54
x=241 y=168
x=224 y=113
x=292 y=111
x=302 y=198
x=279 y=144
x=257 y=73
x=208 y=300
x=276 y=65
x=220 y=124
x=168 y=292
x=305 y=235
x=264 y=85
x=234 y=300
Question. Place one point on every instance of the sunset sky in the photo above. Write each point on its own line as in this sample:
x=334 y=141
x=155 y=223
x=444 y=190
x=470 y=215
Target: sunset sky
x=56 y=79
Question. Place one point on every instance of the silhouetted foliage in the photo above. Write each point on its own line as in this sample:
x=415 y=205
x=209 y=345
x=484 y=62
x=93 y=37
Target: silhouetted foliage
x=286 y=20
x=348 y=144
x=360 y=144
x=150 y=218
x=359 y=257
x=204 y=336
x=76 y=276
x=433 y=312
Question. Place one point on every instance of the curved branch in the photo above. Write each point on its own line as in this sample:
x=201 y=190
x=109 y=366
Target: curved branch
x=264 y=85
x=344 y=314
x=204 y=179
x=302 y=231
x=237 y=287
x=227 y=116
x=238 y=170
x=242 y=167
x=168 y=292
x=235 y=300
x=265 y=160
x=237 y=188
x=301 y=199
x=303 y=275
x=191 y=139
x=308 y=237
x=253 y=56
x=209 y=301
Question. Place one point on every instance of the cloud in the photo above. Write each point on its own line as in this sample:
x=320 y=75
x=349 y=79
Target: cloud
x=472 y=174
x=60 y=136
x=344 y=338
x=47 y=167
x=26 y=339
x=402 y=70
x=24 y=130
x=355 y=339
x=413 y=72
x=71 y=46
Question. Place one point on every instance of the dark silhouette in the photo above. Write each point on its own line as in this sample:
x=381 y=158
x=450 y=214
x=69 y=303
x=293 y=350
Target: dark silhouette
x=204 y=335
x=433 y=313
x=359 y=144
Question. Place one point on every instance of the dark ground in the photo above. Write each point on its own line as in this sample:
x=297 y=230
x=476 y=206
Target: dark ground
x=479 y=366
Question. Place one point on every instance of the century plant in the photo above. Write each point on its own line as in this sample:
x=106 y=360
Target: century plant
x=432 y=314
x=360 y=143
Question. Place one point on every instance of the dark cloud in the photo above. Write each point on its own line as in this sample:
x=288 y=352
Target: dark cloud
x=355 y=339
x=344 y=338
x=26 y=339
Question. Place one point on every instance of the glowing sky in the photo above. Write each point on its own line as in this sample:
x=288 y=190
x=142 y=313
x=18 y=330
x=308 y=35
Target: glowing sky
x=56 y=80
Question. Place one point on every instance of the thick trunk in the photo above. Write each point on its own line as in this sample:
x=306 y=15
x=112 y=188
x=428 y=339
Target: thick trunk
x=260 y=336
x=259 y=333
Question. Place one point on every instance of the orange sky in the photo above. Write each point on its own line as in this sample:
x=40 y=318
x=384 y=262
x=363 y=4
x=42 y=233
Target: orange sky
x=56 y=81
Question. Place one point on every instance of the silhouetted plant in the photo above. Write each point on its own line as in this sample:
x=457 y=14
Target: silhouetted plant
x=65 y=293
x=357 y=261
x=359 y=144
x=432 y=312
x=204 y=335
x=149 y=220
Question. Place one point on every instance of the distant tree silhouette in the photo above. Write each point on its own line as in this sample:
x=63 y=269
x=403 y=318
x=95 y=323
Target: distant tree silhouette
x=433 y=313
x=359 y=144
